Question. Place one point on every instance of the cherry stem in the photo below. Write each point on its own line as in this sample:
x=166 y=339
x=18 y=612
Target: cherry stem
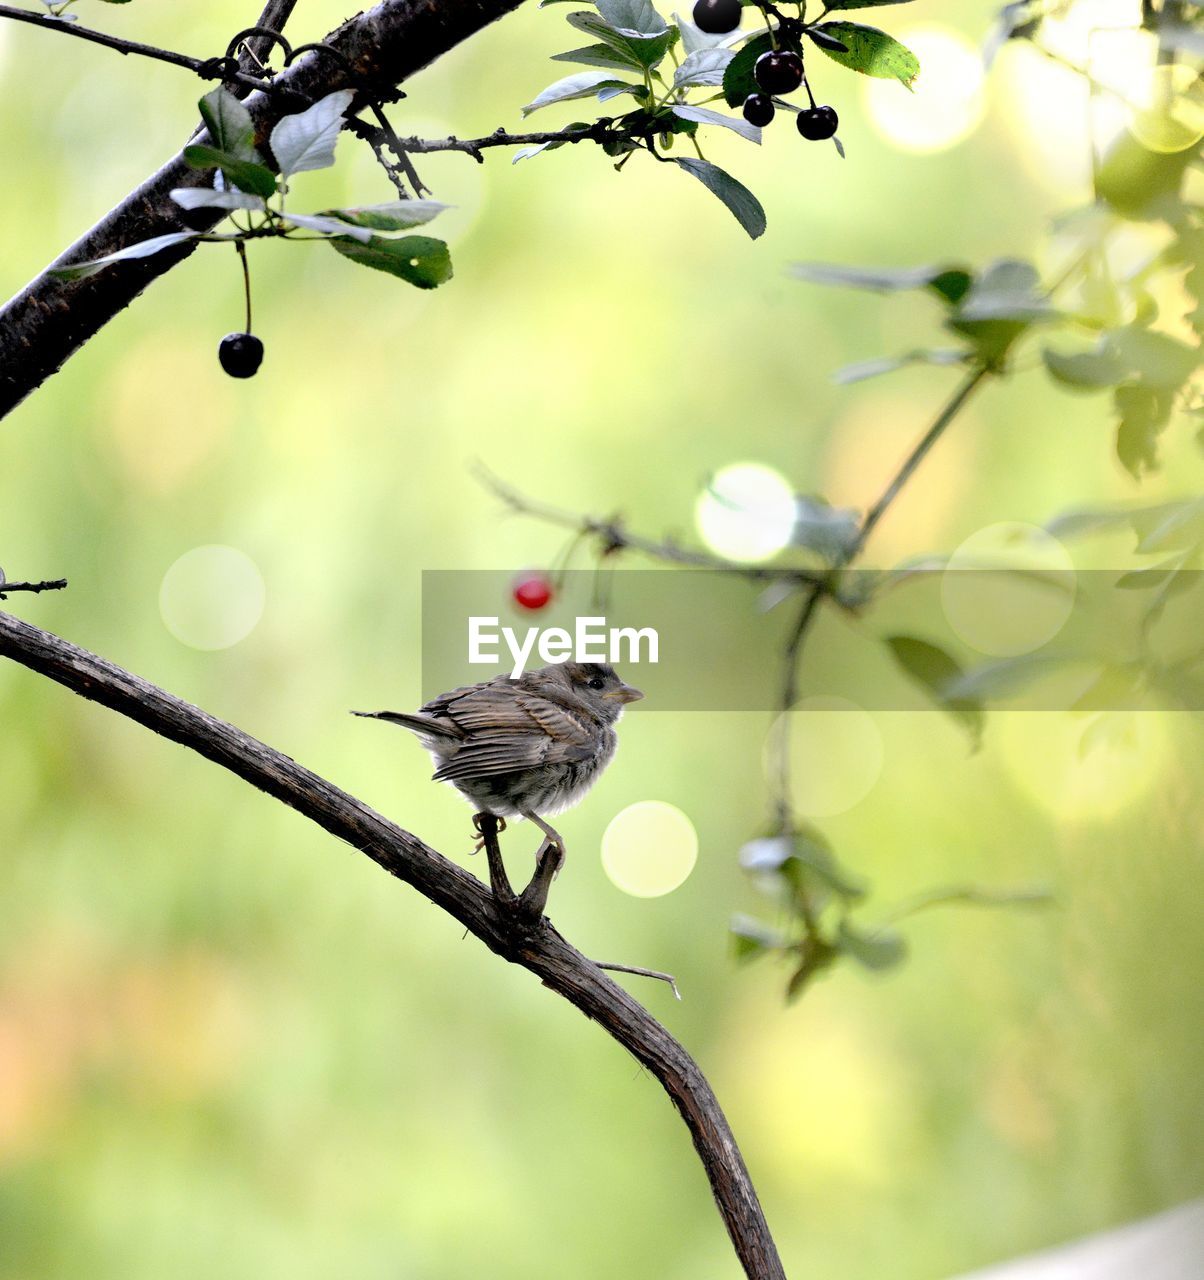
x=807 y=86
x=246 y=279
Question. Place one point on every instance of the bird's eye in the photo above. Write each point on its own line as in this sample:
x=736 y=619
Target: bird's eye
x=597 y=683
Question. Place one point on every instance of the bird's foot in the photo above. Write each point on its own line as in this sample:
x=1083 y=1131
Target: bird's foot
x=476 y=822
x=556 y=849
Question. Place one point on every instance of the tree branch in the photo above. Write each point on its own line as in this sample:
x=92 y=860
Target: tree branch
x=540 y=949
x=274 y=16
x=203 y=67
x=612 y=536
x=812 y=597
x=50 y=319
x=53 y=584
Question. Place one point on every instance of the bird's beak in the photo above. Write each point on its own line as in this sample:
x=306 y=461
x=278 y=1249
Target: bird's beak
x=624 y=693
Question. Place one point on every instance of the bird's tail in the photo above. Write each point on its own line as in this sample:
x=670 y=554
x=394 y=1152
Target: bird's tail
x=424 y=726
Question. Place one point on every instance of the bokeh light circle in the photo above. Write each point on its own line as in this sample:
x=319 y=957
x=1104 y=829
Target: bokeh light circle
x=1008 y=589
x=649 y=848
x=836 y=755
x=212 y=597
x=1169 y=109
x=1084 y=768
x=747 y=512
x=947 y=102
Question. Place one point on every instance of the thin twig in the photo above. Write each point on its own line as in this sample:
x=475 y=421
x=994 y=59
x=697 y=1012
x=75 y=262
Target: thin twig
x=953 y=406
x=53 y=584
x=543 y=951
x=205 y=67
x=809 y=609
x=643 y=973
x=275 y=15
x=612 y=537
x=598 y=132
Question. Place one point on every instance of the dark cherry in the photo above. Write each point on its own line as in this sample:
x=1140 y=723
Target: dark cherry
x=758 y=109
x=818 y=123
x=241 y=354
x=717 y=17
x=779 y=71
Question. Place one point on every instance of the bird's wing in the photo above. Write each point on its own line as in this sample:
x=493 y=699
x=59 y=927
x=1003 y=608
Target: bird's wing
x=510 y=731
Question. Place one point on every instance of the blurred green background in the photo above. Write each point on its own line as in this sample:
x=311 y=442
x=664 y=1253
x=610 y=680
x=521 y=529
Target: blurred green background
x=229 y=1046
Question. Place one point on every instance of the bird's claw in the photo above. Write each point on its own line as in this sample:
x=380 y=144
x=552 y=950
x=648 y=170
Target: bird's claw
x=476 y=822
x=557 y=847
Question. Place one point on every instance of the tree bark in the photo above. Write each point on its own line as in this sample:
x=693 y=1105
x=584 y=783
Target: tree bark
x=537 y=947
x=50 y=319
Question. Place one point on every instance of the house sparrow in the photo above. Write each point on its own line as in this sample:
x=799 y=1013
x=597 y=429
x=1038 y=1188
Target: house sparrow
x=530 y=747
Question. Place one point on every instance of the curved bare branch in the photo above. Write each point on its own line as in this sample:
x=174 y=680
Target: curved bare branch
x=536 y=946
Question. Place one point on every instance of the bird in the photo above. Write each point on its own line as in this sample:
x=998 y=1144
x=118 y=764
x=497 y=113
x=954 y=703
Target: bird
x=527 y=747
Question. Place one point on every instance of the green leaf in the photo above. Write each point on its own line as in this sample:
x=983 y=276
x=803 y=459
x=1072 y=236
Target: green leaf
x=525 y=153
x=999 y=307
x=397 y=215
x=739 y=199
x=208 y=198
x=767 y=853
x=602 y=55
x=1003 y=678
x=861 y=4
x=632 y=17
x=812 y=851
x=872 y=52
x=1143 y=414
x=1159 y=575
x=934 y=670
x=829 y=44
x=1006 y=290
x=878 y=951
x=738 y=79
x=143 y=249
x=1085 y=370
x=329 y=226
x=703 y=115
x=831 y=532
x=692 y=39
x=307 y=140
x=229 y=123
x=255 y=179
x=419 y=260
x=646 y=50
x=1073 y=524
x=951 y=283
x=751 y=938
x=1138 y=183
x=703 y=67
x=1164 y=526
x=1170 y=526
x=1162 y=362
x=585 y=84
x=864 y=369
x=793 y=856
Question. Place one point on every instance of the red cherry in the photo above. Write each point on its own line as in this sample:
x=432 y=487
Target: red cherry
x=532 y=591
